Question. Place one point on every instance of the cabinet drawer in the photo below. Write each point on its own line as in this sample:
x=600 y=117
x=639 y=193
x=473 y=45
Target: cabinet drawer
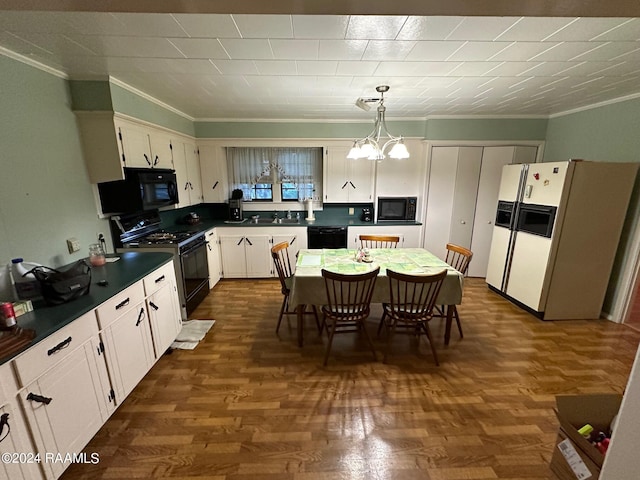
x=119 y=304
x=158 y=279
x=55 y=348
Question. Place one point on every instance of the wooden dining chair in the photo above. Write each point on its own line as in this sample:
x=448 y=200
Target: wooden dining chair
x=379 y=241
x=280 y=255
x=459 y=258
x=348 y=304
x=411 y=306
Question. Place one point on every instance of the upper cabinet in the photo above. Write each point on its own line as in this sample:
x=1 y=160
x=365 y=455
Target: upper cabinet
x=347 y=180
x=213 y=167
x=402 y=177
x=111 y=142
x=187 y=166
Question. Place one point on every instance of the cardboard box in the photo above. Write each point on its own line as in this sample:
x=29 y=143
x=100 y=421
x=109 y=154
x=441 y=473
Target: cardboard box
x=573 y=412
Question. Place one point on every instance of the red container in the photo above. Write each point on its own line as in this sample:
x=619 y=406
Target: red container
x=7 y=315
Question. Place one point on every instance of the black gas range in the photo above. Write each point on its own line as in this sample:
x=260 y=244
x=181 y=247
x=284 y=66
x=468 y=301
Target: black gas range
x=141 y=232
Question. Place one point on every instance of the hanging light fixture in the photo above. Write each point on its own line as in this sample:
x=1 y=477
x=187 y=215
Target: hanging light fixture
x=370 y=146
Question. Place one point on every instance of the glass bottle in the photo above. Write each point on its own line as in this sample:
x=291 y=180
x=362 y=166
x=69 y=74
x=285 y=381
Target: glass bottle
x=96 y=255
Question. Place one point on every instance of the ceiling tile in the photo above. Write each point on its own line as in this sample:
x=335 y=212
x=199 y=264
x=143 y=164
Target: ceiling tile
x=473 y=69
x=356 y=68
x=477 y=51
x=584 y=29
x=264 y=26
x=533 y=29
x=317 y=67
x=481 y=28
x=236 y=67
x=126 y=24
x=412 y=69
x=200 y=47
x=387 y=50
x=320 y=26
x=374 y=27
x=627 y=29
x=114 y=46
x=433 y=50
x=428 y=28
x=276 y=67
x=565 y=51
x=522 y=51
x=244 y=49
x=207 y=26
x=609 y=51
x=342 y=49
x=295 y=49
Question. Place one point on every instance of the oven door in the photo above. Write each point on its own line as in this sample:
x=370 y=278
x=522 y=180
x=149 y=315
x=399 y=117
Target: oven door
x=195 y=273
x=536 y=219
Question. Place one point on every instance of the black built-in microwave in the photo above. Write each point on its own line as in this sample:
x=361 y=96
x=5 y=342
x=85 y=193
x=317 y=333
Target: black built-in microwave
x=397 y=208
x=141 y=189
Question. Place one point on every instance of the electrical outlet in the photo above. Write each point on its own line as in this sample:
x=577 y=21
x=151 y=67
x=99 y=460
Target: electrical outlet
x=351 y=211
x=73 y=244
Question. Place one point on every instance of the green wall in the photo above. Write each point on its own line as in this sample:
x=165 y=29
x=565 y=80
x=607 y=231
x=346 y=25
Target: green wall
x=609 y=133
x=45 y=195
x=486 y=129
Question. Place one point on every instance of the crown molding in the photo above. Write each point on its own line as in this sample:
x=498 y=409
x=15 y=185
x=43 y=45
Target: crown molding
x=33 y=63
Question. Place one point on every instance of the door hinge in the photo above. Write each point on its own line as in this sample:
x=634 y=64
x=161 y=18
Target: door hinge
x=112 y=396
x=100 y=348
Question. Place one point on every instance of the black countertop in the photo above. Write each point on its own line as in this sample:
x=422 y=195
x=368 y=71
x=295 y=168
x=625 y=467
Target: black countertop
x=121 y=274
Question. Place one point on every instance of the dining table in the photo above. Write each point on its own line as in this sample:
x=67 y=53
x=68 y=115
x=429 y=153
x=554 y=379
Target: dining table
x=308 y=287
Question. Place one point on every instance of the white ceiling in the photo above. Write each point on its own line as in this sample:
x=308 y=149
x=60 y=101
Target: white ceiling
x=245 y=66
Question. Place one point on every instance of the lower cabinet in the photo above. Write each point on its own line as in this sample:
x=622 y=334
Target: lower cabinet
x=213 y=257
x=59 y=392
x=128 y=349
x=246 y=256
x=68 y=402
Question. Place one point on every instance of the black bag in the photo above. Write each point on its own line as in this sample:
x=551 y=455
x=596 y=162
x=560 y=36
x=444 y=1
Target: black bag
x=62 y=286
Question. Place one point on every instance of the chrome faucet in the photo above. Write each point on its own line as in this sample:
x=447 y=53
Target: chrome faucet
x=289 y=215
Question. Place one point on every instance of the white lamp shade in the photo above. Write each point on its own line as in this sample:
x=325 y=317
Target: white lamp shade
x=367 y=149
x=355 y=153
x=399 y=150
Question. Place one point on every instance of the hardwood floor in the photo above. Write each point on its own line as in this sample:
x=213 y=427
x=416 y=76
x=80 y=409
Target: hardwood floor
x=247 y=404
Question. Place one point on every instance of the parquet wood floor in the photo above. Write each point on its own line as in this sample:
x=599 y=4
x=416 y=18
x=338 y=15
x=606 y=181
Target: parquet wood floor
x=247 y=404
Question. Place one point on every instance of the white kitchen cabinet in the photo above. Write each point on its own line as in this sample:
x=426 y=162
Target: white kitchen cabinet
x=213 y=169
x=213 y=257
x=462 y=197
x=165 y=317
x=402 y=177
x=297 y=240
x=347 y=180
x=409 y=234
x=17 y=435
x=187 y=166
x=67 y=403
x=144 y=147
x=246 y=256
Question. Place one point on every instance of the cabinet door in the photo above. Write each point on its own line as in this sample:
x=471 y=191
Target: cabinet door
x=258 y=256
x=232 y=254
x=335 y=181
x=294 y=247
x=361 y=179
x=128 y=349
x=213 y=170
x=193 y=171
x=182 y=176
x=76 y=407
x=401 y=177
x=493 y=159
x=17 y=442
x=161 y=150
x=213 y=257
x=164 y=318
x=135 y=145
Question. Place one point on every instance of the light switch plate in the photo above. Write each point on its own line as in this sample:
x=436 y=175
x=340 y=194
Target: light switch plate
x=73 y=244
x=351 y=211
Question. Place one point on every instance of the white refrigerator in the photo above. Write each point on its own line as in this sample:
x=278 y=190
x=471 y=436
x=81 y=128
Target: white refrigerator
x=554 y=249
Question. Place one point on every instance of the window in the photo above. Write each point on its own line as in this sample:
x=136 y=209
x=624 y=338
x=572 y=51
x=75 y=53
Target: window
x=275 y=174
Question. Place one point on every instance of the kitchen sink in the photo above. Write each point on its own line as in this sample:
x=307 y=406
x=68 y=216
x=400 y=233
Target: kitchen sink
x=285 y=221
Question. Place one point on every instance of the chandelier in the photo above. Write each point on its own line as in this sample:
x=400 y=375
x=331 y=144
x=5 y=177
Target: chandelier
x=371 y=146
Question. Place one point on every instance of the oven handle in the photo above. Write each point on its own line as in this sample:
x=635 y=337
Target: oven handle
x=186 y=253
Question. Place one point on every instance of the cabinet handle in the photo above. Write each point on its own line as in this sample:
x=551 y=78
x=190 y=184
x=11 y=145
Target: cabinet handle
x=60 y=346
x=249 y=241
x=190 y=185
x=186 y=185
x=123 y=303
x=351 y=183
x=147 y=159
x=39 y=398
x=160 y=279
x=241 y=240
x=292 y=241
x=155 y=161
x=140 y=317
x=154 y=306
x=345 y=184
x=214 y=186
x=209 y=247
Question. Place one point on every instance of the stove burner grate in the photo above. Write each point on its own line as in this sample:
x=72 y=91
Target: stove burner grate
x=160 y=236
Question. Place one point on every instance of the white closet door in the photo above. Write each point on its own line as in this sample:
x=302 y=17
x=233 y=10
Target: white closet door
x=465 y=194
x=493 y=159
x=442 y=181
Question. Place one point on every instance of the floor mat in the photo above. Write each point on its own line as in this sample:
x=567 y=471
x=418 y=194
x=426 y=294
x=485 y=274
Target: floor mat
x=192 y=332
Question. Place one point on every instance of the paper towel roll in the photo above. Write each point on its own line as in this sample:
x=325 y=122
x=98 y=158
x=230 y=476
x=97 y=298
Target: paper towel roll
x=310 y=210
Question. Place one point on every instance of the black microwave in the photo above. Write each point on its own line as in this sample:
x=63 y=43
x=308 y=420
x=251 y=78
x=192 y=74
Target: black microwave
x=397 y=208
x=141 y=189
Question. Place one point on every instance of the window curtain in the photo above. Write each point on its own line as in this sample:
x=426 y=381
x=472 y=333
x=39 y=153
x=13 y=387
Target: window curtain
x=248 y=166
